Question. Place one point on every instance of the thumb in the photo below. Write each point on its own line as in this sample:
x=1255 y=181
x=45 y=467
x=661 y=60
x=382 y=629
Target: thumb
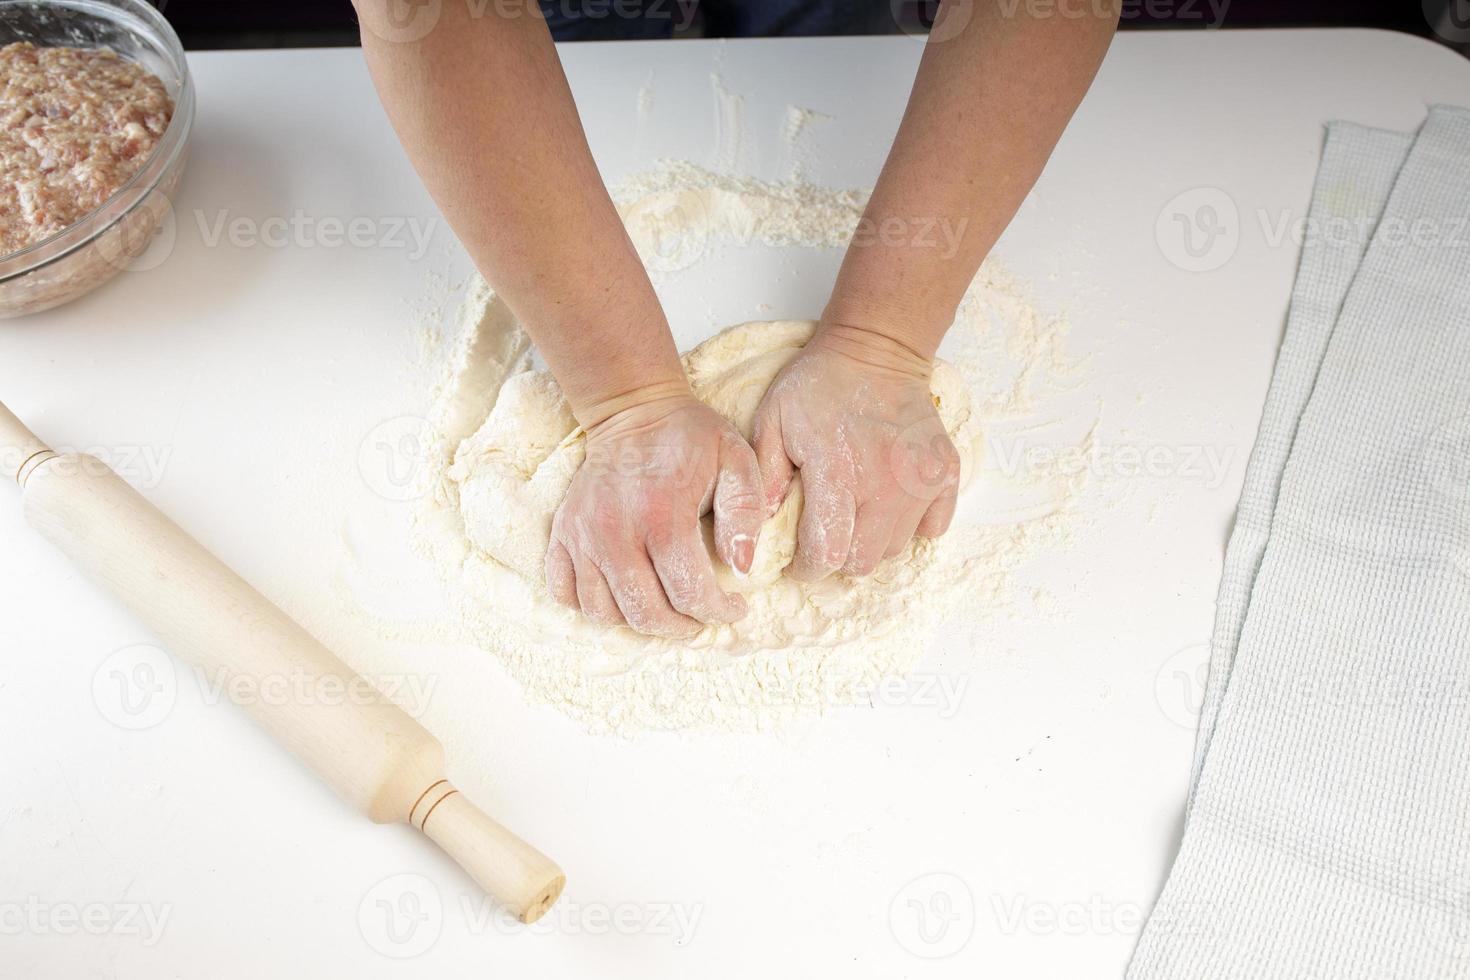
x=776 y=470
x=738 y=505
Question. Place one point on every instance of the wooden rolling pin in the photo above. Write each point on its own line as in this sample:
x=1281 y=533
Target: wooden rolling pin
x=374 y=754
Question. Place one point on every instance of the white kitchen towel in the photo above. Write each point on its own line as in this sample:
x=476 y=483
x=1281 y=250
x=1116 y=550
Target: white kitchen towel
x=1330 y=830
x=1353 y=182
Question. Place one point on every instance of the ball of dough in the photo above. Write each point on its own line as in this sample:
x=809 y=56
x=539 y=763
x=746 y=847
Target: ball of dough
x=513 y=473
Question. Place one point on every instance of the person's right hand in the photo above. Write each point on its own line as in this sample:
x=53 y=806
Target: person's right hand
x=626 y=544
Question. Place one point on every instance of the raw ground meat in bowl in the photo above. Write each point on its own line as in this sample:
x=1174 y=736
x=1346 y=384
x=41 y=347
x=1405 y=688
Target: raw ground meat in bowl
x=96 y=105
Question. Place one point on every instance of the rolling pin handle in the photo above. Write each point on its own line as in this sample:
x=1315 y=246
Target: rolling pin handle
x=523 y=879
x=20 y=451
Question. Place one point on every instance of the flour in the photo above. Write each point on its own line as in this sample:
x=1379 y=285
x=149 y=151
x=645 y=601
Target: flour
x=678 y=212
x=795 y=147
x=730 y=136
x=802 y=649
x=797 y=121
x=645 y=98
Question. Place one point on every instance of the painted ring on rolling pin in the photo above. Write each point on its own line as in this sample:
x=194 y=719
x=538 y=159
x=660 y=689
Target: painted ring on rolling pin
x=30 y=464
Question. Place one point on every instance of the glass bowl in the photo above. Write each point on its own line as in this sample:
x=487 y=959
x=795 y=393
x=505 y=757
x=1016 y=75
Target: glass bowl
x=97 y=247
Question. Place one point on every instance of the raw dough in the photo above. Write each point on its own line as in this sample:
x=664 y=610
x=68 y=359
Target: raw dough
x=802 y=650
x=514 y=472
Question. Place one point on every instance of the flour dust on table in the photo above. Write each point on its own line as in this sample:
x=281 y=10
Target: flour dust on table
x=503 y=447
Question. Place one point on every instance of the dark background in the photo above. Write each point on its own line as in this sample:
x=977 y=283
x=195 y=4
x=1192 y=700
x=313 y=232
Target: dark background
x=204 y=24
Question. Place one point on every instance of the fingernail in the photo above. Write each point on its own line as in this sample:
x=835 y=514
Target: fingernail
x=743 y=545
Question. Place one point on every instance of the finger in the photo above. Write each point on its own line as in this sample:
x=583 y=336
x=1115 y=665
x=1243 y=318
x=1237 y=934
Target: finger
x=776 y=469
x=903 y=531
x=739 y=507
x=593 y=594
x=939 y=515
x=824 y=532
x=926 y=462
x=561 y=577
x=644 y=604
x=872 y=530
x=688 y=577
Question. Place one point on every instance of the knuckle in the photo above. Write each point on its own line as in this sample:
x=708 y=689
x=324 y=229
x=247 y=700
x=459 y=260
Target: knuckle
x=661 y=540
x=600 y=614
x=687 y=591
x=936 y=526
x=636 y=609
x=950 y=458
x=559 y=584
x=733 y=444
x=737 y=498
x=765 y=434
x=689 y=602
x=590 y=527
x=604 y=519
x=863 y=558
x=653 y=623
x=647 y=625
x=637 y=617
x=825 y=560
x=656 y=511
x=586 y=601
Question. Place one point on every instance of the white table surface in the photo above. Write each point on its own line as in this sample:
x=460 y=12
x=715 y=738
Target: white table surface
x=239 y=383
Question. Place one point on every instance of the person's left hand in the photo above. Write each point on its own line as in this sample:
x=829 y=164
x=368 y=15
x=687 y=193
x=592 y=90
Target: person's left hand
x=854 y=414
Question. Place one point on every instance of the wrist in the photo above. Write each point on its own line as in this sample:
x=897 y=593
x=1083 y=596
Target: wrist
x=648 y=401
x=611 y=359
x=900 y=303
x=873 y=347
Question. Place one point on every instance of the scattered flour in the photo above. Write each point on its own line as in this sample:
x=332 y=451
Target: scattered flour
x=678 y=213
x=795 y=146
x=645 y=97
x=797 y=121
x=731 y=143
x=803 y=650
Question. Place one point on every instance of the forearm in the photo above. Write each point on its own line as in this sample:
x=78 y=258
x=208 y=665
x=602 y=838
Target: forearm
x=988 y=106
x=485 y=113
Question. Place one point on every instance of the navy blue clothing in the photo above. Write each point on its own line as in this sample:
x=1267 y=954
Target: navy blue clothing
x=609 y=20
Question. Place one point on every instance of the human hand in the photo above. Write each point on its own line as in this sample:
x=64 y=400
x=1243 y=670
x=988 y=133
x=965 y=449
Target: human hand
x=626 y=545
x=854 y=414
